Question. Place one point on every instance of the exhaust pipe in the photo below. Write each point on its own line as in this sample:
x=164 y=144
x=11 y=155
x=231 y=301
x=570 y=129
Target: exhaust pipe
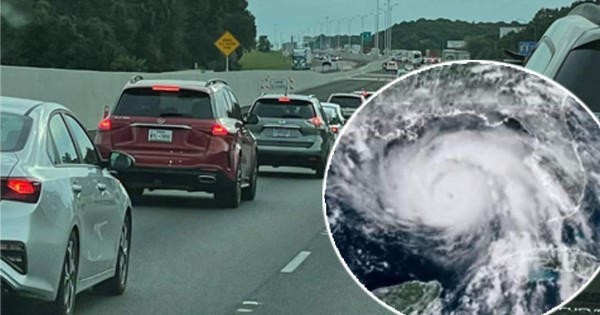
x=207 y=179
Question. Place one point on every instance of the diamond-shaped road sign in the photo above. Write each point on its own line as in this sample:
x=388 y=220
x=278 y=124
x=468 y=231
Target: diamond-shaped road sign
x=227 y=44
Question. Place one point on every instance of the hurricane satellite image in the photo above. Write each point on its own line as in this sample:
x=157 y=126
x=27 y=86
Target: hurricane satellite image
x=468 y=188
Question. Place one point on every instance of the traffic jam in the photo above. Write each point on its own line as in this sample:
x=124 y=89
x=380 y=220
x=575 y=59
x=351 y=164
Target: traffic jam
x=161 y=134
x=68 y=198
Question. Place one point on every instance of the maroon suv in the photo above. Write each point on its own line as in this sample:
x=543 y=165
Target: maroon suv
x=186 y=135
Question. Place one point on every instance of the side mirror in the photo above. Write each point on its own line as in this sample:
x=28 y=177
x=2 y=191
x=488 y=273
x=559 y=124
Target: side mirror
x=251 y=119
x=105 y=112
x=120 y=161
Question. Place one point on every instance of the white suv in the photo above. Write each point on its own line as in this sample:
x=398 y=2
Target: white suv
x=569 y=53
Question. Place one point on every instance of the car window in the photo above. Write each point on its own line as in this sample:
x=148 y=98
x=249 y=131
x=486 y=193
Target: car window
x=235 y=110
x=86 y=147
x=540 y=58
x=580 y=74
x=273 y=108
x=61 y=139
x=14 y=131
x=146 y=102
x=332 y=115
x=347 y=101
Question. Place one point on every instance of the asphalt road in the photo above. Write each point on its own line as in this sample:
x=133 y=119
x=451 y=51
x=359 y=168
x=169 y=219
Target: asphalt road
x=190 y=257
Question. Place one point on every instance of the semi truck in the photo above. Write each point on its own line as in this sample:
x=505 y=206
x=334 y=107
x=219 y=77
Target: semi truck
x=302 y=59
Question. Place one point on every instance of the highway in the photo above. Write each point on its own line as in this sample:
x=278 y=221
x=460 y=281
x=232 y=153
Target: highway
x=191 y=257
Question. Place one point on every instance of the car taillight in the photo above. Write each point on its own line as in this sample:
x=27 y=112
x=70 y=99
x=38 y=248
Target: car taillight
x=15 y=255
x=334 y=129
x=105 y=124
x=219 y=130
x=21 y=189
x=316 y=121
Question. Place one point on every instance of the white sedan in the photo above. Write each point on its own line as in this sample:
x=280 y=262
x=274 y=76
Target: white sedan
x=66 y=221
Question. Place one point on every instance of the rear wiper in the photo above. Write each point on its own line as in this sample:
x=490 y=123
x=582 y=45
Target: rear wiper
x=291 y=116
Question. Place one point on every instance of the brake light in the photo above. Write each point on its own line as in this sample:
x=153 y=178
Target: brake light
x=316 y=121
x=105 y=124
x=21 y=189
x=284 y=99
x=219 y=130
x=165 y=88
x=334 y=129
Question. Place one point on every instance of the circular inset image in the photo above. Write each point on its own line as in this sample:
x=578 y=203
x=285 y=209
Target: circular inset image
x=468 y=188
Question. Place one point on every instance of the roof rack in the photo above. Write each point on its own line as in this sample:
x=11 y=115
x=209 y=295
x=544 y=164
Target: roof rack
x=589 y=11
x=136 y=78
x=215 y=81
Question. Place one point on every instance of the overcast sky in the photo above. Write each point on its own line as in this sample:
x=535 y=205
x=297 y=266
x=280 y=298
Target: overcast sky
x=299 y=17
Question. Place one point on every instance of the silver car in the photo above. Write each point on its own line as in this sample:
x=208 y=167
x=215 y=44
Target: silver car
x=335 y=116
x=66 y=221
x=349 y=102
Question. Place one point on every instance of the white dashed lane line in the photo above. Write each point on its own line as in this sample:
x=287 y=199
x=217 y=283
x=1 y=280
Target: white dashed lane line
x=295 y=262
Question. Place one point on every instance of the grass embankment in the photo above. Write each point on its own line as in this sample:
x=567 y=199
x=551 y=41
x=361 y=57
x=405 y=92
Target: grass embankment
x=274 y=60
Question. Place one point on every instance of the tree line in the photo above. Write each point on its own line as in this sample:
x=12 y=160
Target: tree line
x=482 y=38
x=123 y=35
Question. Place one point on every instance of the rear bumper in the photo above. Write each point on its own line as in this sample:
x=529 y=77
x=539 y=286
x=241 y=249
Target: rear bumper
x=45 y=244
x=286 y=156
x=206 y=179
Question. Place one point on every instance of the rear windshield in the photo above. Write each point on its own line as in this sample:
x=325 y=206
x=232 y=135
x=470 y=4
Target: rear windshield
x=579 y=74
x=346 y=101
x=14 y=131
x=273 y=108
x=145 y=102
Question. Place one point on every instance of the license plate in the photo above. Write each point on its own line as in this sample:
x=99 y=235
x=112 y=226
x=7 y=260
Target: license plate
x=160 y=135
x=281 y=132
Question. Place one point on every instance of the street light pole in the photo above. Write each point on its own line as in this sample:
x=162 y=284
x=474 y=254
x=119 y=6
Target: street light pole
x=377 y=26
x=327 y=25
x=362 y=29
x=350 y=32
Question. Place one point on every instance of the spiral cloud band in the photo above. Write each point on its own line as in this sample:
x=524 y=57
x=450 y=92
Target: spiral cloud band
x=474 y=185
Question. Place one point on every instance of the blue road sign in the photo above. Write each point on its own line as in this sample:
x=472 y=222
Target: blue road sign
x=526 y=48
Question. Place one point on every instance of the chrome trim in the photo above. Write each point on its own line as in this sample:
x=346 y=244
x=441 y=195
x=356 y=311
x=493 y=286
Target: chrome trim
x=160 y=126
x=282 y=126
x=207 y=179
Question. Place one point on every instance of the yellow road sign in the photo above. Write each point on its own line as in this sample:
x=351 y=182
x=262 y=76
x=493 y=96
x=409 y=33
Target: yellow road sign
x=227 y=44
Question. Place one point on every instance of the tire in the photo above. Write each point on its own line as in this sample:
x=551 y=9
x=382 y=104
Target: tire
x=320 y=171
x=230 y=195
x=249 y=193
x=64 y=304
x=134 y=192
x=118 y=283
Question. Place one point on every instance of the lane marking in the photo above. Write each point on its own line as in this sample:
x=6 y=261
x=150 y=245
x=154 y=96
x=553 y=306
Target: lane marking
x=244 y=310
x=370 y=79
x=250 y=303
x=295 y=263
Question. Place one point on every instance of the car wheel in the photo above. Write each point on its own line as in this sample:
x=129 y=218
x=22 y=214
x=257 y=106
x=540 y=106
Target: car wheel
x=64 y=304
x=320 y=170
x=230 y=196
x=249 y=192
x=118 y=283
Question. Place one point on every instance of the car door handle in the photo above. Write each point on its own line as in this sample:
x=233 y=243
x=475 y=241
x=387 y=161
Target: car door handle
x=77 y=188
x=101 y=186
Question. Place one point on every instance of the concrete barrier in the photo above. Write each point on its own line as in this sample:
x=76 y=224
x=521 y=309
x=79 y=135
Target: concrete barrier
x=87 y=92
